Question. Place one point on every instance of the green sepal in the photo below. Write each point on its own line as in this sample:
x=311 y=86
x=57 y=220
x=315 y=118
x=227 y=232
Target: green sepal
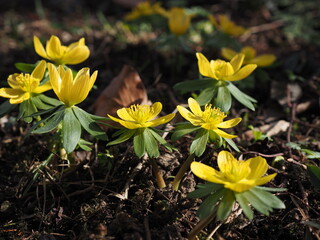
x=183 y=129
x=71 y=130
x=206 y=95
x=161 y=140
x=138 y=142
x=26 y=109
x=151 y=145
x=48 y=123
x=243 y=98
x=209 y=204
x=215 y=138
x=89 y=124
x=6 y=107
x=193 y=85
x=25 y=67
x=199 y=144
x=125 y=134
x=226 y=204
x=314 y=173
x=223 y=99
x=204 y=190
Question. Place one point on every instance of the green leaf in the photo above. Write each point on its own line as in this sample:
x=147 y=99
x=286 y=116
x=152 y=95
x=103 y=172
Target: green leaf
x=226 y=204
x=193 y=85
x=89 y=124
x=6 y=107
x=71 y=130
x=206 y=96
x=182 y=130
x=244 y=204
x=124 y=136
x=199 y=144
x=241 y=97
x=223 y=99
x=151 y=144
x=39 y=103
x=311 y=154
x=26 y=109
x=256 y=202
x=232 y=144
x=25 y=67
x=268 y=198
x=204 y=190
x=314 y=173
x=49 y=100
x=208 y=205
x=161 y=140
x=49 y=123
x=138 y=142
x=271 y=189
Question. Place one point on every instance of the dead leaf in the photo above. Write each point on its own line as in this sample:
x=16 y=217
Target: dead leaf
x=128 y=3
x=124 y=90
x=270 y=130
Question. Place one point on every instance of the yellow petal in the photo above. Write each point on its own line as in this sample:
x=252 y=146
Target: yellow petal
x=226 y=70
x=13 y=82
x=76 y=55
x=230 y=123
x=264 y=60
x=224 y=134
x=114 y=118
x=258 y=166
x=242 y=73
x=21 y=98
x=240 y=186
x=156 y=107
x=39 y=47
x=10 y=92
x=39 y=70
x=237 y=61
x=130 y=125
x=228 y=53
x=53 y=48
x=206 y=173
x=161 y=120
x=55 y=79
x=185 y=113
x=45 y=87
x=204 y=65
x=195 y=107
x=226 y=161
x=123 y=114
x=263 y=180
x=249 y=52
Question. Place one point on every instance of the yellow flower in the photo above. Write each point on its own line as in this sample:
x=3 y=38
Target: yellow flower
x=23 y=85
x=141 y=116
x=224 y=24
x=71 y=90
x=144 y=9
x=210 y=118
x=222 y=70
x=178 y=20
x=237 y=175
x=75 y=53
x=250 y=56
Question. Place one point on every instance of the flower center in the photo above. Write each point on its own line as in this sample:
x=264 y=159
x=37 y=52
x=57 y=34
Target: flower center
x=237 y=171
x=140 y=113
x=27 y=83
x=222 y=68
x=212 y=115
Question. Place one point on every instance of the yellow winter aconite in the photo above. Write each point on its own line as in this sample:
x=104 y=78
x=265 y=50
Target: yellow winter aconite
x=75 y=53
x=224 y=24
x=236 y=175
x=250 y=56
x=141 y=116
x=178 y=20
x=222 y=70
x=23 y=85
x=71 y=90
x=144 y=9
x=210 y=118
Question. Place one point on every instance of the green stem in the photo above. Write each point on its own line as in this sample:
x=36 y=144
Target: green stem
x=157 y=173
x=185 y=166
x=201 y=225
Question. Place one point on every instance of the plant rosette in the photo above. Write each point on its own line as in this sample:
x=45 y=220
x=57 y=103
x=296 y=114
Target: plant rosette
x=217 y=86
x=207 y=123
x=139 y=122
x=237 y=181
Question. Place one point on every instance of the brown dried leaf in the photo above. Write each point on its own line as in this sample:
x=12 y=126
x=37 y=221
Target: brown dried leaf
x=124 y=90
